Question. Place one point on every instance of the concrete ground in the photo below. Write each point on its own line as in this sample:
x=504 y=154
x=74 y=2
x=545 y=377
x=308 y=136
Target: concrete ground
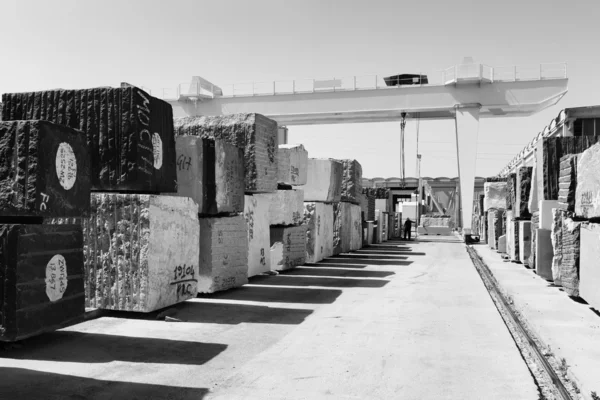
x=570 y=328
x=393 y=321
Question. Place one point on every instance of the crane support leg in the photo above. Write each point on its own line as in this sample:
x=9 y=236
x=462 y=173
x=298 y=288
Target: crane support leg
x=467 y=130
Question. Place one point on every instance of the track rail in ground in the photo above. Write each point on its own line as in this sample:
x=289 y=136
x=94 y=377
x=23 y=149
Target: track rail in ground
x=523 y=339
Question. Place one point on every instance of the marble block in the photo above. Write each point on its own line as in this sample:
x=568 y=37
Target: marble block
x=523 y=187
x=587 y=192
x=433 y=220
x=44 y=170
x=533 y=201
x=256 y=213
x=286 y=207
x=254 y=133
x=212 y=173
x=318 y=220
x=569 y=263
x=391 y=217
x=338 y=223
x=292 y=164
x=223 y=253
x=354 y=226
x=129 y=133
x=384 y=223
x=509 y=232
x=288 y=247
x=41 y=279
x=351 y=181
x=494 y=195
x=502 y=244
x=556 y=238
x=141 y=251
x=524 y=241
x=323 y=180
x=589 y=268
x=434 y=230
x=546 y=213
x=543 y=253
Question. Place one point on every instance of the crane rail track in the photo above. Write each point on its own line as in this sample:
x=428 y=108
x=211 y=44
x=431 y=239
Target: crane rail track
x=513 y=321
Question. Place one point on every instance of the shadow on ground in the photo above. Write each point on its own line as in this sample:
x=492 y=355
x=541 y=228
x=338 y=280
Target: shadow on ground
x=81 y=347
x=335 y=263
x=382 y=256
x=21 y=383
x=359 y=260
x=274 y=294
x=336 y=272
x=291 y=280
x=388 y=252
x=223 y=313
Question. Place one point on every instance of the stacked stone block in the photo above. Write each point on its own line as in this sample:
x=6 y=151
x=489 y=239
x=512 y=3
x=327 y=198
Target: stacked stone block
x=587 y=194
x=129 y=133
x=141 y=251
x=566 y=245
x=351 y=181
x=567 y=182
x=288 y=247
x=292 y=164
x=44 y=173
x=589 y=270
x=511 y=191
x=254 y=133
x=323 y=181
x=211 y=172
x=523 y=189
x=535 y=222
x=223 y=253
x=319 y=221
x=525 y=242
x=256 y=213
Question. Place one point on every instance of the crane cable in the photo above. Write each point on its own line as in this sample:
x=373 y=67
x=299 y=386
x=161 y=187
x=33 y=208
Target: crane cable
x=402 y=172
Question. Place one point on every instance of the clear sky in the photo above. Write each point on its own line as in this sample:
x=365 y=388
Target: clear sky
x=158 y=44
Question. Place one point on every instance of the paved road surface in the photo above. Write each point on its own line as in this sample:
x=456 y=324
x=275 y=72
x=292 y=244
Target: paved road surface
x=393 y=321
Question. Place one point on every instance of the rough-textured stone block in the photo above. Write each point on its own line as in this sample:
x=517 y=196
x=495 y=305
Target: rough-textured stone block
x=318 y=219
x=589 y=270
x=354 y=226
x=338 y=221
x=254 y=133
x=288 y=247
x=141 y=251
x=435 y=220
x=211 y=173
x=434 y=230
x=129 y=133
x=511 y=191
x=385 y=221
x=546 y=213
x=556 y=237
x=567 y=182
x=484 y=228
x=587 y=193
x=286 y=207
x=535 y=223
x=292 y=164
x=502 y=244
x=514 y=242
x=570 y=250
x=223 y=253
x=323 y=180
x=256 y=213
x=41 y=279
x=522 y=194
x=510 y=236
x=553 y=150
x=495 y=226
x=524 y=241
x=380 y=233
x=44 y=170
x=370 y=216
x=390 y=225
x=533 y=202
x=543 y=253
x=351 y=181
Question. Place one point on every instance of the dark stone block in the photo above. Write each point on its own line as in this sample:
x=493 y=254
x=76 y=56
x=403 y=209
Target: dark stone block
x=41 y=279
x=567 y=182
x=351 y=181
x=129 y=133
x=521 y=205
x=553 y=150
x=44 y=170
x=496 y=179
x=511 y=191
x=379 y=193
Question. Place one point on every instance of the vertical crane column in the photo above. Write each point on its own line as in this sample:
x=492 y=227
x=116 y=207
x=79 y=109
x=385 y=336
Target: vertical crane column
x=467 y=130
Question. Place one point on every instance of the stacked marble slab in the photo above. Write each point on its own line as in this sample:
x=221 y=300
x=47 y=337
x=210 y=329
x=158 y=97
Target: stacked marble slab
x=288 y=244
x=44 y=173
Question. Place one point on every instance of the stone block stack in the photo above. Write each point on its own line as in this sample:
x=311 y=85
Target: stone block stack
x=132 y=160
x=286 y=209
x=371 y=195
x=44 y=173
x=535 y=224
x=567 y=182
x=233 y=245
x=434 y=225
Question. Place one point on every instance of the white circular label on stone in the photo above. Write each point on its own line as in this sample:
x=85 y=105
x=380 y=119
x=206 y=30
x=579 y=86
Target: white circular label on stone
x=66 y=166
x=157 y=150
x=56 y=278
